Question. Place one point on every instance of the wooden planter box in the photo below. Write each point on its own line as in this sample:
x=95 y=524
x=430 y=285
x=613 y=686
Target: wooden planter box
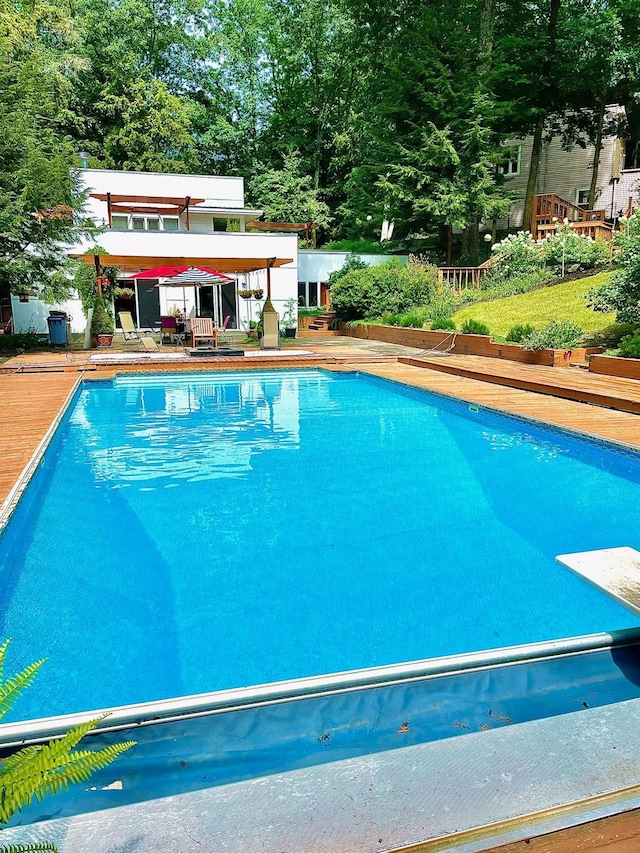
x=611 y=365
x=482 y=345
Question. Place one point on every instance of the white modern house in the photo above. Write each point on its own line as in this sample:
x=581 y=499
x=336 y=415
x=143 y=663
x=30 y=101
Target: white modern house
x=167 y=220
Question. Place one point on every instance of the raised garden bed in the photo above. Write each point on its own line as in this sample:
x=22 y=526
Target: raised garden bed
x=483 y=345
x=611 y=365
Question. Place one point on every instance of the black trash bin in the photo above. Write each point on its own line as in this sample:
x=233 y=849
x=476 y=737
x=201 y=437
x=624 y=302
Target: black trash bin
x=58 y=329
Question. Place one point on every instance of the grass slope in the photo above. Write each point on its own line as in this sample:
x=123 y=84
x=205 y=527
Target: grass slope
x=558 y=302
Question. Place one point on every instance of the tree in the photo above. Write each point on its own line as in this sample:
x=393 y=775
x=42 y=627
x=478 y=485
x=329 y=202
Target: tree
x=40 y=197
x=287 y=194
x=622 y=292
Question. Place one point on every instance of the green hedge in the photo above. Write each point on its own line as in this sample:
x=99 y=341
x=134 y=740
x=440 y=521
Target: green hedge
x=388 y=288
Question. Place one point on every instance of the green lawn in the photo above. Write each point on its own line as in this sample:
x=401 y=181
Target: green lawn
x=559 y=302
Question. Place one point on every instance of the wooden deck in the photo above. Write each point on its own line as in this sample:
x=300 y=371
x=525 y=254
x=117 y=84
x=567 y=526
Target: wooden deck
x=617 y=834
x=31 y=402
x=570 y=383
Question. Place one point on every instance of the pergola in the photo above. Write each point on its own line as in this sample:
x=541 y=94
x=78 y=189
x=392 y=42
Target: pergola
x=296 y=227
x=147 y=204
x=133 y=263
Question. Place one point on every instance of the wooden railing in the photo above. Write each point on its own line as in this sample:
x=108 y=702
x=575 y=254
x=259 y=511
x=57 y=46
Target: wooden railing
x=464 y=278
x=550 y=207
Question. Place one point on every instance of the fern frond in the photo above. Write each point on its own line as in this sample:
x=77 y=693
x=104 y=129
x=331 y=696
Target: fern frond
x=13 y=687
x=48 y=770
x=19 y=759
x=61 y=746
x=39 y=847
x=3 y=652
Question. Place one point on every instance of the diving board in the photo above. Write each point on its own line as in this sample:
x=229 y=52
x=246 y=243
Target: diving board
x=615 y=571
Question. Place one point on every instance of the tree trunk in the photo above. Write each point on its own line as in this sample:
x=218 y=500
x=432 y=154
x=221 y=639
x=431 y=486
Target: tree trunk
x=471 y=242
x=597 y=152
x=536 y=150
x=485 y=40
x=547 y=87
x=449 y=243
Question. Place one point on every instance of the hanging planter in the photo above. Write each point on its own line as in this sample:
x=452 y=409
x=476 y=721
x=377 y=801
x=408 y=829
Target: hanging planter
x=258 y=294
x=123 y=293
x=245 y=294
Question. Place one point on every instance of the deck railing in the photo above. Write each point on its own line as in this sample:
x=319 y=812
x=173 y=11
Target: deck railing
x=550 y=207
x=464 y=278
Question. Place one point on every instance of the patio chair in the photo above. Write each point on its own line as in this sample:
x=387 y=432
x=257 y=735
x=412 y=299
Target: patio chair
x=168 y=329
x=149 y=344
x=222 y=332
x=129 y=332
x=202 y=329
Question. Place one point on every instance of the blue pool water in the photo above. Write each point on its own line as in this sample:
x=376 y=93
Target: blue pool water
x=195 y=532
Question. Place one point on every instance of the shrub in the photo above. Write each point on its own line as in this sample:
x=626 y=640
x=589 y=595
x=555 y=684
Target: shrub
x=21 y=342
x=474 y=327
x=441 y=305
x=517 y=255
x=577 y=250
x=101 y=321
x=388 y=287
x=496 y=288
x=390 y=319
x=517 y=333
x=443 y=323
x=353 y=262
x=630 y=345
x=553 y=336
x=361 y=246
x=622 y=292
x=412 y=320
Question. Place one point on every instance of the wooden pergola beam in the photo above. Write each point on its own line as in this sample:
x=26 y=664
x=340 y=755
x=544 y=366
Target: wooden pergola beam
x=147 y=199
x=141 y=262
x=133 y=208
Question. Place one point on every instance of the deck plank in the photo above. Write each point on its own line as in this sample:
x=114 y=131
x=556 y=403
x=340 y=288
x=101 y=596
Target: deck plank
x=28 y=406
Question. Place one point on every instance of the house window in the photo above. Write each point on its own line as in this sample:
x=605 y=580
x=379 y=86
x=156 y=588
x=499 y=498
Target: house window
x=582 y=197
x=121 y=223
x=170 y=223
x=302 y=294
x=219 y=224
x=510 y=166
x=145 y=223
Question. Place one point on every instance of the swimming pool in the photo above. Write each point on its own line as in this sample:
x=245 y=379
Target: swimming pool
x=188 y=533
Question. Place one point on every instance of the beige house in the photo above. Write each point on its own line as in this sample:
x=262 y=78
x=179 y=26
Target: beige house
x=567 y=174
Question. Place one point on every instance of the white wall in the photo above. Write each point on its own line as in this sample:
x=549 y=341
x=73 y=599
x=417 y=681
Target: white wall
x=32 y=315
x=217 y=191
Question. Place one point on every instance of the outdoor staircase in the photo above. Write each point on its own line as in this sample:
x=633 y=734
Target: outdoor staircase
x=323 y=322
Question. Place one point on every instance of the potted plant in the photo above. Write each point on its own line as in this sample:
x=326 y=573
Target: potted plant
x=123 y=293
x=258 y=293
x=245 y=294
x=289 y=319
x=102 y=324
